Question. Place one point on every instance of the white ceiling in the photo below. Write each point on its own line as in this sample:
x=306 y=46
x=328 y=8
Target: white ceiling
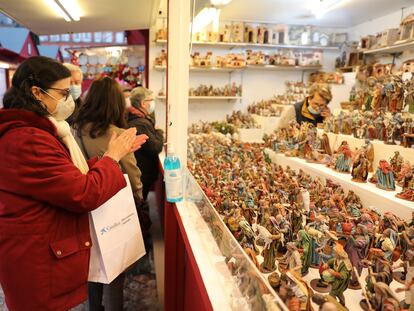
x=346 y=13
x=96 y=15
x=118 y=15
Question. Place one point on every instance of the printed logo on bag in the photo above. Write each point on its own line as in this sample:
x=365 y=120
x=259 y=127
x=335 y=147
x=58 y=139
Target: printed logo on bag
x=107 y=229
x=127 y=218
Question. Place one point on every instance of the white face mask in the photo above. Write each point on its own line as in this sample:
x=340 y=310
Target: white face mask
x=128 y=102
x=151 y=107
x=75 y=91
x=64 y=108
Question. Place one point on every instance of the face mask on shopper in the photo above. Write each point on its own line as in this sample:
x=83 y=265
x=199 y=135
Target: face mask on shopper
x=75 y=91
x=313 y=111
x=128 y=102
x=151 y=108
x=64 y=107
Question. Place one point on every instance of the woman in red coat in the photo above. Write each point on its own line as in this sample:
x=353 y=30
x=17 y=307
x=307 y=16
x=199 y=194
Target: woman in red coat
x=47 y=189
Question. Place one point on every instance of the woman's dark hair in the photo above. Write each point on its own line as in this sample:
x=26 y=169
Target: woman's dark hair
x=104 y=105
x=36 y=71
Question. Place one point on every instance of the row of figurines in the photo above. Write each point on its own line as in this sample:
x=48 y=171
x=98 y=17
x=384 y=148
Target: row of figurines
x=304 y=142
x=288 y=222
x=227 y=90
x=295 y=92
x=373 y=125
x=242 y=120
x=391 y=94
x=265 y=108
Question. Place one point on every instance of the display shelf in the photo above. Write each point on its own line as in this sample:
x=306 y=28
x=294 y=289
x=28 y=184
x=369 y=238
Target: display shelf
x=268 y=124
x=205 y=69
x=216 y=276
x=232 y=45
x=282 y=68
x=224 y=241
x=216 y=69
x=207 y=97
x=393 y=49
x=248 y=67
x=381 y=150
x=253 y=135
x=370 y=195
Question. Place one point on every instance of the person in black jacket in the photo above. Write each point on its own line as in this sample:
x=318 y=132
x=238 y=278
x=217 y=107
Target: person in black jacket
x=141 y=116
x=314 y=109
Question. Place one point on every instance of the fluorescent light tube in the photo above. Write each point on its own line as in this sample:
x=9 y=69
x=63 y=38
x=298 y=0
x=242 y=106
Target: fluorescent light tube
x=66 y=9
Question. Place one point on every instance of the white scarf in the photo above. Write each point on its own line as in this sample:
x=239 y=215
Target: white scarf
x=65 y=135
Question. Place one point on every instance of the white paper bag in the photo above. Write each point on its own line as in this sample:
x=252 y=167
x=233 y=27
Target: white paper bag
x=116 y=237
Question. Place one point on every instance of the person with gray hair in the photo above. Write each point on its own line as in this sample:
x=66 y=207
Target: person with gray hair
x=141 y=108
x=314 y=109
x=75 y=88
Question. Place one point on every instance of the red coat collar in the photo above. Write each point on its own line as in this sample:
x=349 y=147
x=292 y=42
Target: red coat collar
x=15 y=118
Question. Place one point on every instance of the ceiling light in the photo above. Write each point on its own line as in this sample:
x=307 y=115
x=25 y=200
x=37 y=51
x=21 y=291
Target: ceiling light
x=220 y=2
x=68 y=9
x=323 y=7
x=204 y=18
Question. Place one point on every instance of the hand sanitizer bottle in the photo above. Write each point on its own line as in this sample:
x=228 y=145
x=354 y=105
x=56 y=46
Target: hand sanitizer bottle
x=173 y=176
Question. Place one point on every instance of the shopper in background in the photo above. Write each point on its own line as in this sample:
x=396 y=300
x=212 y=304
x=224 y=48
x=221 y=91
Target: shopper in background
x=76 y=79
x=102 y=115
x=140 y=116
x=47 y=189
x=127 y=94
x=314 y=109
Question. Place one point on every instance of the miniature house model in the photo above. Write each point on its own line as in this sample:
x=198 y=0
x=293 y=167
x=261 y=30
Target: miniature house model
x=407 y=28
x=250 y=34
x=237 y=32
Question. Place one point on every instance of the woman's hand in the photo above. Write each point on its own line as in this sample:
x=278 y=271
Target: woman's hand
x=120 y=145
x=139 y=141
x=326 y=112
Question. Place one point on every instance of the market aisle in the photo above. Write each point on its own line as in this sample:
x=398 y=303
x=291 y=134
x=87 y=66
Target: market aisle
x=140 y=293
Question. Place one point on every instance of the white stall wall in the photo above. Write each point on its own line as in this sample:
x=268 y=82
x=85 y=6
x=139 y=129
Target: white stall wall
x=157 y=79
x=379 y=24
x=256 y=84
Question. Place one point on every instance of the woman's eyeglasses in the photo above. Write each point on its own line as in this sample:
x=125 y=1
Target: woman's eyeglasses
x=64 y=92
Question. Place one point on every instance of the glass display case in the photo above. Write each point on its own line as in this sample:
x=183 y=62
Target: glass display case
x=242 y=282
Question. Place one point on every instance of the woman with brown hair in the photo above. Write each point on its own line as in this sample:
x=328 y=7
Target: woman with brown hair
x=101 y=116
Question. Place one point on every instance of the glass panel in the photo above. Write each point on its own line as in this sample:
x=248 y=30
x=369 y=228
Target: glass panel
x=247 y=285
x=76 y=37
x=107 y=37
x=65 y=37
x=43 y=38
x=98 y=37
x=55 y=38
x=120 y=37
x=87 y=37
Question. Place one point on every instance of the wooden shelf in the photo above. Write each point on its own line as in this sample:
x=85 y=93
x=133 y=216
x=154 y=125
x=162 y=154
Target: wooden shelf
x=207 y=97
x=248 y=67
x=217 y=69
x=232 y=45
x=393 y=49
x=282 y=68
x=203 y=69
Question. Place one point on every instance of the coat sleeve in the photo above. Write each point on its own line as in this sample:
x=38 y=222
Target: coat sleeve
x=46 y=173
x=155 y=142
x=129 y=166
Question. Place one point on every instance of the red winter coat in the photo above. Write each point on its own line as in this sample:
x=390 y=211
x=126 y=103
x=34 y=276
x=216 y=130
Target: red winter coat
x=44 y=204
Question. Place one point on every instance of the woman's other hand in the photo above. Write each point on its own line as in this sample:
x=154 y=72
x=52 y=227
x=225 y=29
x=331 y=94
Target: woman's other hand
x=120 y=145
x=139 y=141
